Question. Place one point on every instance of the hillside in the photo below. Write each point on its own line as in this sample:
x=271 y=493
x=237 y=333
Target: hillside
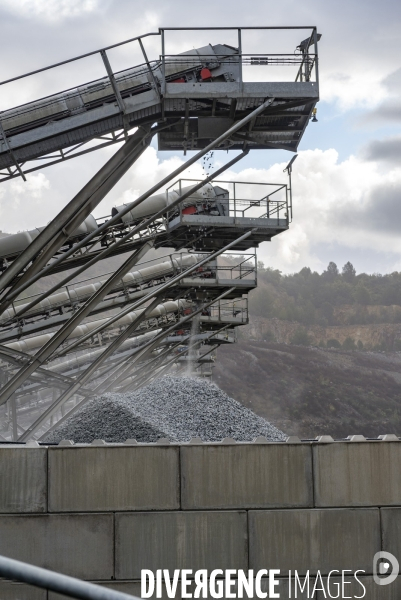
x=321 y=353
x=331 y=309
x=309 y=391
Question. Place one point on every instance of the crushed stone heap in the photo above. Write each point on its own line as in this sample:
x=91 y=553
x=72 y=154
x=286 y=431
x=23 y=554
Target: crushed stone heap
x=179 y=408
x=106 y=419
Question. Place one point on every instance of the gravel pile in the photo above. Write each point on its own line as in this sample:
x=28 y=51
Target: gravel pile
x=179 y=408
x=106 y=419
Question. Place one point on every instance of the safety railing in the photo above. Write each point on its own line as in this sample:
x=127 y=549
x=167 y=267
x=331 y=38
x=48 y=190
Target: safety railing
x=250 y=62
x=302 y=50
x=233 y=311
x=238 y=199
x=303 y=56
x=146 y=275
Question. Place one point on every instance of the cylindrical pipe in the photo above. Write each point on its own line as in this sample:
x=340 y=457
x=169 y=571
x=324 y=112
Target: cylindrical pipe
x=156 y=188
x=163 y=287
x=108 y=250
x=124 y=156
x=55 y=582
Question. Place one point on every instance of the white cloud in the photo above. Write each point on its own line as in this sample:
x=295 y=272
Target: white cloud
x=348 y=205
x=335 y=203
x=50 y=10
x=22 y=204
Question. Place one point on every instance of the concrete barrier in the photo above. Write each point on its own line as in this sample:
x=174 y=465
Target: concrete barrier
x=314 y=539
x=357 y=473
x=104 y=512
x=23 y=480
x=353 y=589
x=246 y=476
x=113 y=478
x=10 y=590
x=80 y=545
x=180 y=540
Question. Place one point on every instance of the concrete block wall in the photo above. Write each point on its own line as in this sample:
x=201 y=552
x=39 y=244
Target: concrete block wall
x=104 y=512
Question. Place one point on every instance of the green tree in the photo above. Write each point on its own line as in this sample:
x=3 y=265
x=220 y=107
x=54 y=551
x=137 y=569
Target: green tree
x=327 y=311
x=348 y=272
x=361 y=295
x=333 y=343
x=301 y=338
x=331 y=272
x=349 y=344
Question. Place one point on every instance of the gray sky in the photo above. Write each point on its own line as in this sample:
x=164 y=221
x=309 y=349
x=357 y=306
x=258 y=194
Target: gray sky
x=347 y=179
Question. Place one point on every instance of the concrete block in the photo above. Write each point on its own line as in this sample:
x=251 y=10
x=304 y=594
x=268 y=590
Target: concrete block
x=391 y=531
x=113 y=478
x=373 y=591
x=23 y=480
x=180 y=540
x=246 y=476
x=352 y=474
x=314 y=539
x=9 y=590
x=77 y=545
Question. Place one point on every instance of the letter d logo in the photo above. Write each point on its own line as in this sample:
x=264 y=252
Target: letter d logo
x=385 y=568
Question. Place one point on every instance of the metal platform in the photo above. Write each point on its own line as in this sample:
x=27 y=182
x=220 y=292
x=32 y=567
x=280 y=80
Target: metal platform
x=193 y=97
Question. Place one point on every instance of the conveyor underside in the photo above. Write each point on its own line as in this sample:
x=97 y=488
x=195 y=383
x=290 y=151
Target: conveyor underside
x=195 y=121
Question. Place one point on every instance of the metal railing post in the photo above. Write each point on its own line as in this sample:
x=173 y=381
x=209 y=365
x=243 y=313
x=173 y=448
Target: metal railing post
x=145 y=56
x=163 y=83
x=120 y=101
x=316 y=55
x=240 y=60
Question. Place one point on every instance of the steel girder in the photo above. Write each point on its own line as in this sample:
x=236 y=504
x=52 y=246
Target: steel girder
x=54 y=235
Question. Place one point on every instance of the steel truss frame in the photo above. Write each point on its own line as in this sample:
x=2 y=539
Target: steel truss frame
x=122 y=117
x=54 y=249
x=48 y=350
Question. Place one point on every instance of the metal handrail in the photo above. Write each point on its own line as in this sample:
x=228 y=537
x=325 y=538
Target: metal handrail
x=64 y=62
x=56 y=582
x=158 y=33
x=142 y=265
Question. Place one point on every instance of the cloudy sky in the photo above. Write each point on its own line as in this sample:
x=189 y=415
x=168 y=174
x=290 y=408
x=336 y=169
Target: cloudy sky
x=347 y=178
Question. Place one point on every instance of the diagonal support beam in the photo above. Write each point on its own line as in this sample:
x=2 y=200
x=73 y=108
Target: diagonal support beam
x=72 y=215
x=150 y=295
x=49 y=348
x=142 y=372
x=85 y=376
x=53 y=379
x=149 y=346
x=217 y=142
x=143 y=225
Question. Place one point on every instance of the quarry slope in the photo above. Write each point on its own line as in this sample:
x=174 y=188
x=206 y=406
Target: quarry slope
x=309 y=391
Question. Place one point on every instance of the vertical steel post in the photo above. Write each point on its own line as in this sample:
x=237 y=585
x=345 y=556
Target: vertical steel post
x=152 y=75
x=316 y=55
x=163 y=84
x=240 y=59
x=14 y=421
